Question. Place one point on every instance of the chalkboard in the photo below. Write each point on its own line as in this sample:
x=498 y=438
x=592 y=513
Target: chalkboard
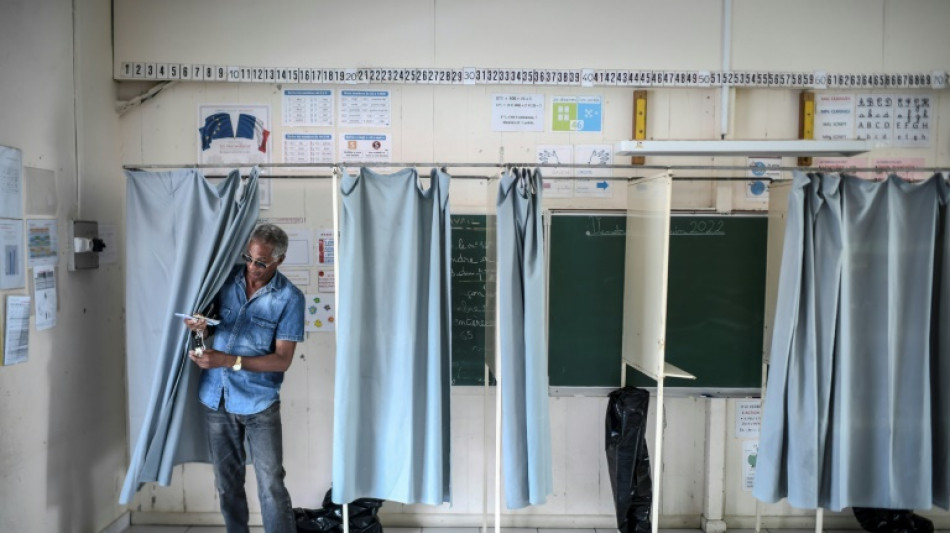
x=469 y=274
x=715 y=308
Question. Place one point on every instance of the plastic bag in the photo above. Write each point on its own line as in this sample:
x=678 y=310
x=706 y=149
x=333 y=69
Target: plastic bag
x=329 y=519
x=891 y=520
x=628 y=460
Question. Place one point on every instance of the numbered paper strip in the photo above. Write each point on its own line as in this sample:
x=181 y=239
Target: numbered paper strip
x=131 y=70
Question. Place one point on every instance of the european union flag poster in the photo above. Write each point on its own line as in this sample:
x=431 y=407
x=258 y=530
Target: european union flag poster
x=232 y=135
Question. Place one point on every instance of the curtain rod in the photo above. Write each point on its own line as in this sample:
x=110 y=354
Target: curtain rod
x=534 y=165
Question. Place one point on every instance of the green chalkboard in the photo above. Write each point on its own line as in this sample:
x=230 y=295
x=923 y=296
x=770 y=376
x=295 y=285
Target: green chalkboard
x=715 y=307
x=469 y=275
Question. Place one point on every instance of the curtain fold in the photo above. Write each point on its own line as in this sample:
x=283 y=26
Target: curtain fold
x=856 y=411
x=525 y=419
x=183 y=235
x=393 y=356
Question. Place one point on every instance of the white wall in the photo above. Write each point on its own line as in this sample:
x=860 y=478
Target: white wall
x=62 y=413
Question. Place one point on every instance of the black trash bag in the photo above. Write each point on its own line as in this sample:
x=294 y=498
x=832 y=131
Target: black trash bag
x=628 y=461
x=317 y=521
x=329 y=519
x=891 y=520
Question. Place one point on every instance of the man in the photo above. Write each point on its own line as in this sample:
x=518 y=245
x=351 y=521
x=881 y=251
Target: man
x=261 y=322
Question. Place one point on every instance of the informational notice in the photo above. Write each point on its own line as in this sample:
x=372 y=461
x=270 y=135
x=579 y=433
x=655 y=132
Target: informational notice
x=299 y=244
x=555 y=154
x=44 y=294
x=42 y=241
x=326 y=247
x=557 y=187
x=16 y=345
x=834 y=117
x=308 y=148
x=308 y=107
x=11 y=182
x=300 y=277
x=577 y=113
x=592 y=188
x=842 y=164
x=913 y=120
x=517 y=112
x=750 y=456
x=365 y=148
x=365 y=109
x=593 y=155
x=319 y=313
x=326 y=280
x=12 y=275
x=885 y=164
x=748 y=419
x=762 y=170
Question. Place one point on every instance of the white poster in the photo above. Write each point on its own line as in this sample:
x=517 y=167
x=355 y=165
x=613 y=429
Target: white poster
x=11 y=182
x=308 y=148
x=592 y=188
x=748 y=418
x=300 y=242
x=44 y=294
x=555 y=154
x=366 y=148
x=762 y=170
x=42 y=242
x=594 y=155
x=899 y=162
x=16 y=345
x=326 y=249
x=326 y=281
x=308 y=107
x=232 y=135
x=365 y=109
x=842 y=164
x=12 y=263
x=875 y=119
x=299 y=277
x=320 y=314
x=517 y=112
x=557 y=188
x=913 y=117
x=834 y=117
x=750 y=455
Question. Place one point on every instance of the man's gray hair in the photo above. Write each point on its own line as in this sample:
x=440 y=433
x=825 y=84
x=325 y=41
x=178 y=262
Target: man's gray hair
x=272 y=235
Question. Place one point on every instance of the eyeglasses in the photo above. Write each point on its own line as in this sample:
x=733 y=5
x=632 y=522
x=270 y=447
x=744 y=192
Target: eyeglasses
x=257 y=262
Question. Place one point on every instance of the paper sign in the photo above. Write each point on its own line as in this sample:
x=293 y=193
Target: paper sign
x=517 y=112
x=748 y=418
x=750 y=456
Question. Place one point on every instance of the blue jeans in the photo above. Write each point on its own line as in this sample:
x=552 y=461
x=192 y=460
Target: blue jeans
x=227 y=433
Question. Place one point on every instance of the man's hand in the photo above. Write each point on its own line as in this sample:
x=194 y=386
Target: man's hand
x=212 y=359
x=197 y=325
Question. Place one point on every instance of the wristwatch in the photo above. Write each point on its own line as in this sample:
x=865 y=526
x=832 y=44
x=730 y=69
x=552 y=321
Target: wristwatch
x=237 y=364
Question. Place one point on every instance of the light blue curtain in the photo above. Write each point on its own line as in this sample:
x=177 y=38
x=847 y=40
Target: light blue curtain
x=183 y=235
x=525 y=420
x=857 y=410
x=393 y=356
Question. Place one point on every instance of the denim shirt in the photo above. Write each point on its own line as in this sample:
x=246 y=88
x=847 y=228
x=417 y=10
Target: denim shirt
x=251 y=328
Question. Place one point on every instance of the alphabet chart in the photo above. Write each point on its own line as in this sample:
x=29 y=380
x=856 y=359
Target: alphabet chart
x=894 y=119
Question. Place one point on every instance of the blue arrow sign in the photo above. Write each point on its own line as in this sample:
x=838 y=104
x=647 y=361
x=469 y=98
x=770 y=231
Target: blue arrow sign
x=602 y=185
